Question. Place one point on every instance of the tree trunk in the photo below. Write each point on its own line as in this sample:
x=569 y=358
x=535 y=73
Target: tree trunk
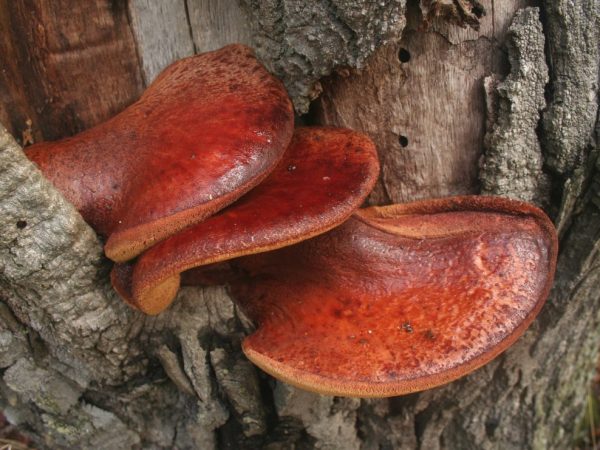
x=506 y=107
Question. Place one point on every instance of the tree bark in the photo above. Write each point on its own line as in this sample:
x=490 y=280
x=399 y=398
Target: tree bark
x=508 y=109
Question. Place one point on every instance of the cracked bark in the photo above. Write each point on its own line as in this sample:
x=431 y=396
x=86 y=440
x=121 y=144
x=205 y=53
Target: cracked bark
x=512 y=163
x=81 y=370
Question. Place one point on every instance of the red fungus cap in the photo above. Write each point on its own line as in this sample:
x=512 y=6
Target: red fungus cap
x=324 y=176
x=206 y=131
x=399 y=298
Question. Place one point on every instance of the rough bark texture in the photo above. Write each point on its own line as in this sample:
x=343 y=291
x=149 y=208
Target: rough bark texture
x=573 y=107
x=572 y=113
x=303 y=41
x=81 y=370
x=421 y=101
x=512 y=164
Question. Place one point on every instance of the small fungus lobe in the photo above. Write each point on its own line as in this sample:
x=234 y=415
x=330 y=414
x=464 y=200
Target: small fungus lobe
x=186 y=149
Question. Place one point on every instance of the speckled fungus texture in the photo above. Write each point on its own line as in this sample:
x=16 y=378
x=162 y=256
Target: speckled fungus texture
x=394 y=300
x=399 y=298
x=207 y=130
x=324 y=176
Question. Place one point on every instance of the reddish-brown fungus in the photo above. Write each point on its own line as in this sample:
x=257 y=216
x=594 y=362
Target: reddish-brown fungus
x=209 y=129
x=399 y=298
x=325 y=174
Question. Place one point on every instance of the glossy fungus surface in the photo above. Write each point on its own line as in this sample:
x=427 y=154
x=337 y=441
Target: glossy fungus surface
x=399 y=298
x=324 y=176
x=206 y=131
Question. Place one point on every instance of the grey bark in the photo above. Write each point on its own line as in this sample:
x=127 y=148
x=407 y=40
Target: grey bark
x=302 y=42
x=572 y=113
x=81 y=370
x=512 y=163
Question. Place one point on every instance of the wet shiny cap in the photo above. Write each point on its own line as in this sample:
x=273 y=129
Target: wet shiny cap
x=399 y=298
x=324 y=176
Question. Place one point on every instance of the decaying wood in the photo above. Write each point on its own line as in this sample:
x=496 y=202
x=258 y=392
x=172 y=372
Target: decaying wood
x=457 y=12
x=167 y=31
x=421 y=100
x=115 y=379
x=65 y=65
x=162 y=34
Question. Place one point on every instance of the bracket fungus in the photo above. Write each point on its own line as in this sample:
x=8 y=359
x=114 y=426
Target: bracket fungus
x=399 y=298
x=206 y=131
x=324 y=176
x=203 y=168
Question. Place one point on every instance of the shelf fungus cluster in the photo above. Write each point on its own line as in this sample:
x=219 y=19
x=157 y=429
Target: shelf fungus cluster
x=206 y=167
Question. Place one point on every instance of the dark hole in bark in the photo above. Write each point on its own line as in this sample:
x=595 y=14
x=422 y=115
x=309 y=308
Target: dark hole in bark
x=21 y=224
x=403 y=140
x=490 y=426
x=404 y=55
x=478 y=10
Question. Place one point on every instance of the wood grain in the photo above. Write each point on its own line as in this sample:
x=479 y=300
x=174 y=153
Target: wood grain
x=424 y=108
x=167 y=31
x=216 y=23
x=65 y=65
x=162 y=33
x=15 y=109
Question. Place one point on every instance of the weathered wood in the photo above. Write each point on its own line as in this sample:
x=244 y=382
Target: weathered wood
x=162 y=33
x=167 y=31
x=216 y=23
x=462 y=12
x=493 y=26
x=15 y=108
x=65 y=65
x=422 y=101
